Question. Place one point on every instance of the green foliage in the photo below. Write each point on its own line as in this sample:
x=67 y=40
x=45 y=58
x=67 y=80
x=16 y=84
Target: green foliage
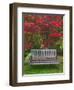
x=26 y=52
x=37 y=39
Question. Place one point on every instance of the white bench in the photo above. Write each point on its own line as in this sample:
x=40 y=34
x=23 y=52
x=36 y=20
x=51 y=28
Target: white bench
x=43 y=56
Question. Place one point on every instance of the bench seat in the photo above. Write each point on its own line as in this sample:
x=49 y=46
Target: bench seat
x=43 y=56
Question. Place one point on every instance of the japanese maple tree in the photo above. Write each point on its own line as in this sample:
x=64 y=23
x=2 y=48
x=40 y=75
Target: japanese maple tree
x=46 y=31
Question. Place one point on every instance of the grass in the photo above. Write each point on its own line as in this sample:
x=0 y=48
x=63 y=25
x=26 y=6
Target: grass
x=42 y=69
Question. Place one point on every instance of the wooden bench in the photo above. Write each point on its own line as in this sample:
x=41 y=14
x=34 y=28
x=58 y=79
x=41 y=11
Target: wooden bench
x=43 y=56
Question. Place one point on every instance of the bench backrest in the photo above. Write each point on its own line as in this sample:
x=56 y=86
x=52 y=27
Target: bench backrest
x=44 y=52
